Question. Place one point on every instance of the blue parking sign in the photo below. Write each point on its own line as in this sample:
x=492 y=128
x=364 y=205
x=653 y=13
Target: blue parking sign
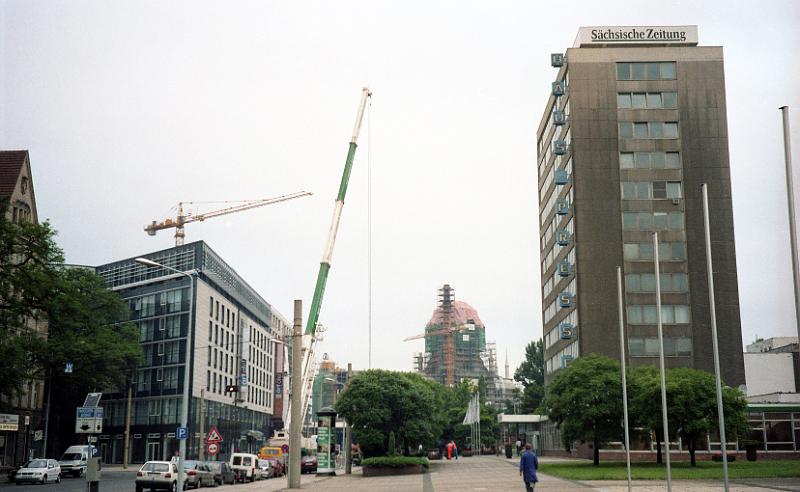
x=182 y=433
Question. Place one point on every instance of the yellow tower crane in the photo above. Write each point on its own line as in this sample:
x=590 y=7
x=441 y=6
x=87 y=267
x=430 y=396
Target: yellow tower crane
x=184 y=218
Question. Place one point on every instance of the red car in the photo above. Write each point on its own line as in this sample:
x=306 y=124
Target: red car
x=308 y=464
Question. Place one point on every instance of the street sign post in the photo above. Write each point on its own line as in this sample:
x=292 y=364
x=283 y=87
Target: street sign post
x=212 y=448
x=213 y=435
x=89 y=420
x=182 y=433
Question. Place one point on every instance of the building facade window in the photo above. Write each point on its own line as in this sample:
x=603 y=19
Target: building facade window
x=649 y=160
x=647 y=100
x=647 y=190
x=648 y=346
x=648 y=129
x=668 y=251
x=647 y=314
x=652 y=221
x=646 y=71
x=646 y=282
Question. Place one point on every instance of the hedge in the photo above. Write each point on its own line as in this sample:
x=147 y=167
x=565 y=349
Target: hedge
x=395 y=461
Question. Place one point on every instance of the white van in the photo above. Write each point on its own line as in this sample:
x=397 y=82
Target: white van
x=245 y=466
x=73 y=461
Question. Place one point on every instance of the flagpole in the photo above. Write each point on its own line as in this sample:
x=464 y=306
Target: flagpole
x=710 y=271
x=663 y=371
x=624 y=381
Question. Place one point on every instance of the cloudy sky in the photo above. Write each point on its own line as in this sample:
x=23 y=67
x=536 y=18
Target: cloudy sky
x=130 y=107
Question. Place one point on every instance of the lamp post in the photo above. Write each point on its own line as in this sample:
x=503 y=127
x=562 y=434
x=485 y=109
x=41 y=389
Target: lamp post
x=185 y=407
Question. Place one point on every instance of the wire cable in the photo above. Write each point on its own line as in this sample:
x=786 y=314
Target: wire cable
x=369 y=232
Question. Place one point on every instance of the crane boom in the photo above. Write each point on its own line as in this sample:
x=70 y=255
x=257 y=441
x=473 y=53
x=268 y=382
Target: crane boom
x=325 y=264
x=311 y=335
x=183 y=218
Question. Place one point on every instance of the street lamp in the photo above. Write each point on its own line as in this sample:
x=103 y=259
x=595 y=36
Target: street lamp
x=185 y=407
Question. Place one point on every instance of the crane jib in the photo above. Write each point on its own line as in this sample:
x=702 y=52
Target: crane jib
x=348 y=167
x=325 y=265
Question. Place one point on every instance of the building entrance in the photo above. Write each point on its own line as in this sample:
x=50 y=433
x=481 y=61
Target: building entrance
x=153 y=452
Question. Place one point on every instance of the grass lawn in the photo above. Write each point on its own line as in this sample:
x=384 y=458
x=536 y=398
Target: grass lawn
x=616 y=470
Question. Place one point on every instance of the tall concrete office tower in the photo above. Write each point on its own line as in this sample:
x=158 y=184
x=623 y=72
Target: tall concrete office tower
x=635 y=124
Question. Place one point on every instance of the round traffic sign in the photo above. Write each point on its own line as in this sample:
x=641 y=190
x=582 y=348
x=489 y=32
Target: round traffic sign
x=285 y=448
x=212 y=448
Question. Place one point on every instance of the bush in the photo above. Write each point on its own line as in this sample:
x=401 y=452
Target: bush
x=395 y=461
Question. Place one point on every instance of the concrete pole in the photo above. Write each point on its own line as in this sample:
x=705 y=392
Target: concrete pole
x=125 y=455
x=201 y=449
x=663 y=371
x=186 y=381
x=348 y=432
x=624 y=376
x=712 y=306
x=296 y=426
x=787 y=153
x=47 y=412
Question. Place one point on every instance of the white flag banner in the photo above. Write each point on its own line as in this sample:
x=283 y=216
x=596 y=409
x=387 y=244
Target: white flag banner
x=473 y=414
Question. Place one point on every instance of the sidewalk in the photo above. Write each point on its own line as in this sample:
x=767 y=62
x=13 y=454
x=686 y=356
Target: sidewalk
x=490 y=473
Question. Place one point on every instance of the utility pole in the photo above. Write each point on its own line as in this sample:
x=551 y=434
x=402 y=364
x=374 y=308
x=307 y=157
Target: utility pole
x=296 y=426
x=348 y=432
x=201 y=449
x=47 y=411
x=125 y=451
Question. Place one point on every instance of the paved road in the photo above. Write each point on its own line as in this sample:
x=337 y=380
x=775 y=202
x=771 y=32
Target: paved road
x=117 y=480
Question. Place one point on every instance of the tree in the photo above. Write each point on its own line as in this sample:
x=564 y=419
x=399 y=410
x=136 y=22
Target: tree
x=85 y=323
x=531 y=374
x=531 y=371
x=377 y=402
x=585 y=401
x=28 y=259
x=691 y=405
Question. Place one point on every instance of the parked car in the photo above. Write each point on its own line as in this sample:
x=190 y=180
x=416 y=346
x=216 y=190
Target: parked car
x=157 y=475
x=198 y=474
x=223 y=474
x=73 y=461
x=278 y=467
x=265 y=469
x=39 y=470
x=245 y=464
x=308 y=464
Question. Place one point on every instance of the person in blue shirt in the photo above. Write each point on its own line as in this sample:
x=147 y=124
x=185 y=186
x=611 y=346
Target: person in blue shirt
x=527 y=468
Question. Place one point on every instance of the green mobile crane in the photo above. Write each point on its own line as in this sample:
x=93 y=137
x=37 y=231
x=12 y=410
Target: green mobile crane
x=311 y=335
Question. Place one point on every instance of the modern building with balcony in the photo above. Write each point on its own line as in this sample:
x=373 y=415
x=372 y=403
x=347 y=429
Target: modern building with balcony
x=225 y=334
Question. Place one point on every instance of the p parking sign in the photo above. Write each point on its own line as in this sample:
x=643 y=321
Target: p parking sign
x=182 y=433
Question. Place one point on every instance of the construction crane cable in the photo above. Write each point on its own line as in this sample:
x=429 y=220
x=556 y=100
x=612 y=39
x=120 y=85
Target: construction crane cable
x=369 y=231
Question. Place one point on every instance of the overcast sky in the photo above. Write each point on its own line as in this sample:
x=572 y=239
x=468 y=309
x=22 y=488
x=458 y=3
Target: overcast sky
x=130 y=107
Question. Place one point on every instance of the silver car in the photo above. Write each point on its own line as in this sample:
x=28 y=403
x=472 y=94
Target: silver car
x=198 y=474
x=39 y=470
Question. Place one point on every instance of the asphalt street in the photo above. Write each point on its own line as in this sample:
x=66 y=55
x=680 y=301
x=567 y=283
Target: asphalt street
x=114 y=480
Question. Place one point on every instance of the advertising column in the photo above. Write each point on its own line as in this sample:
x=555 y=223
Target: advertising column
x=326 y=441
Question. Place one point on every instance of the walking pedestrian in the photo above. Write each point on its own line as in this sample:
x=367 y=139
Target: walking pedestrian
x=455 y=450
x=528 y=464
x=519 y=444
